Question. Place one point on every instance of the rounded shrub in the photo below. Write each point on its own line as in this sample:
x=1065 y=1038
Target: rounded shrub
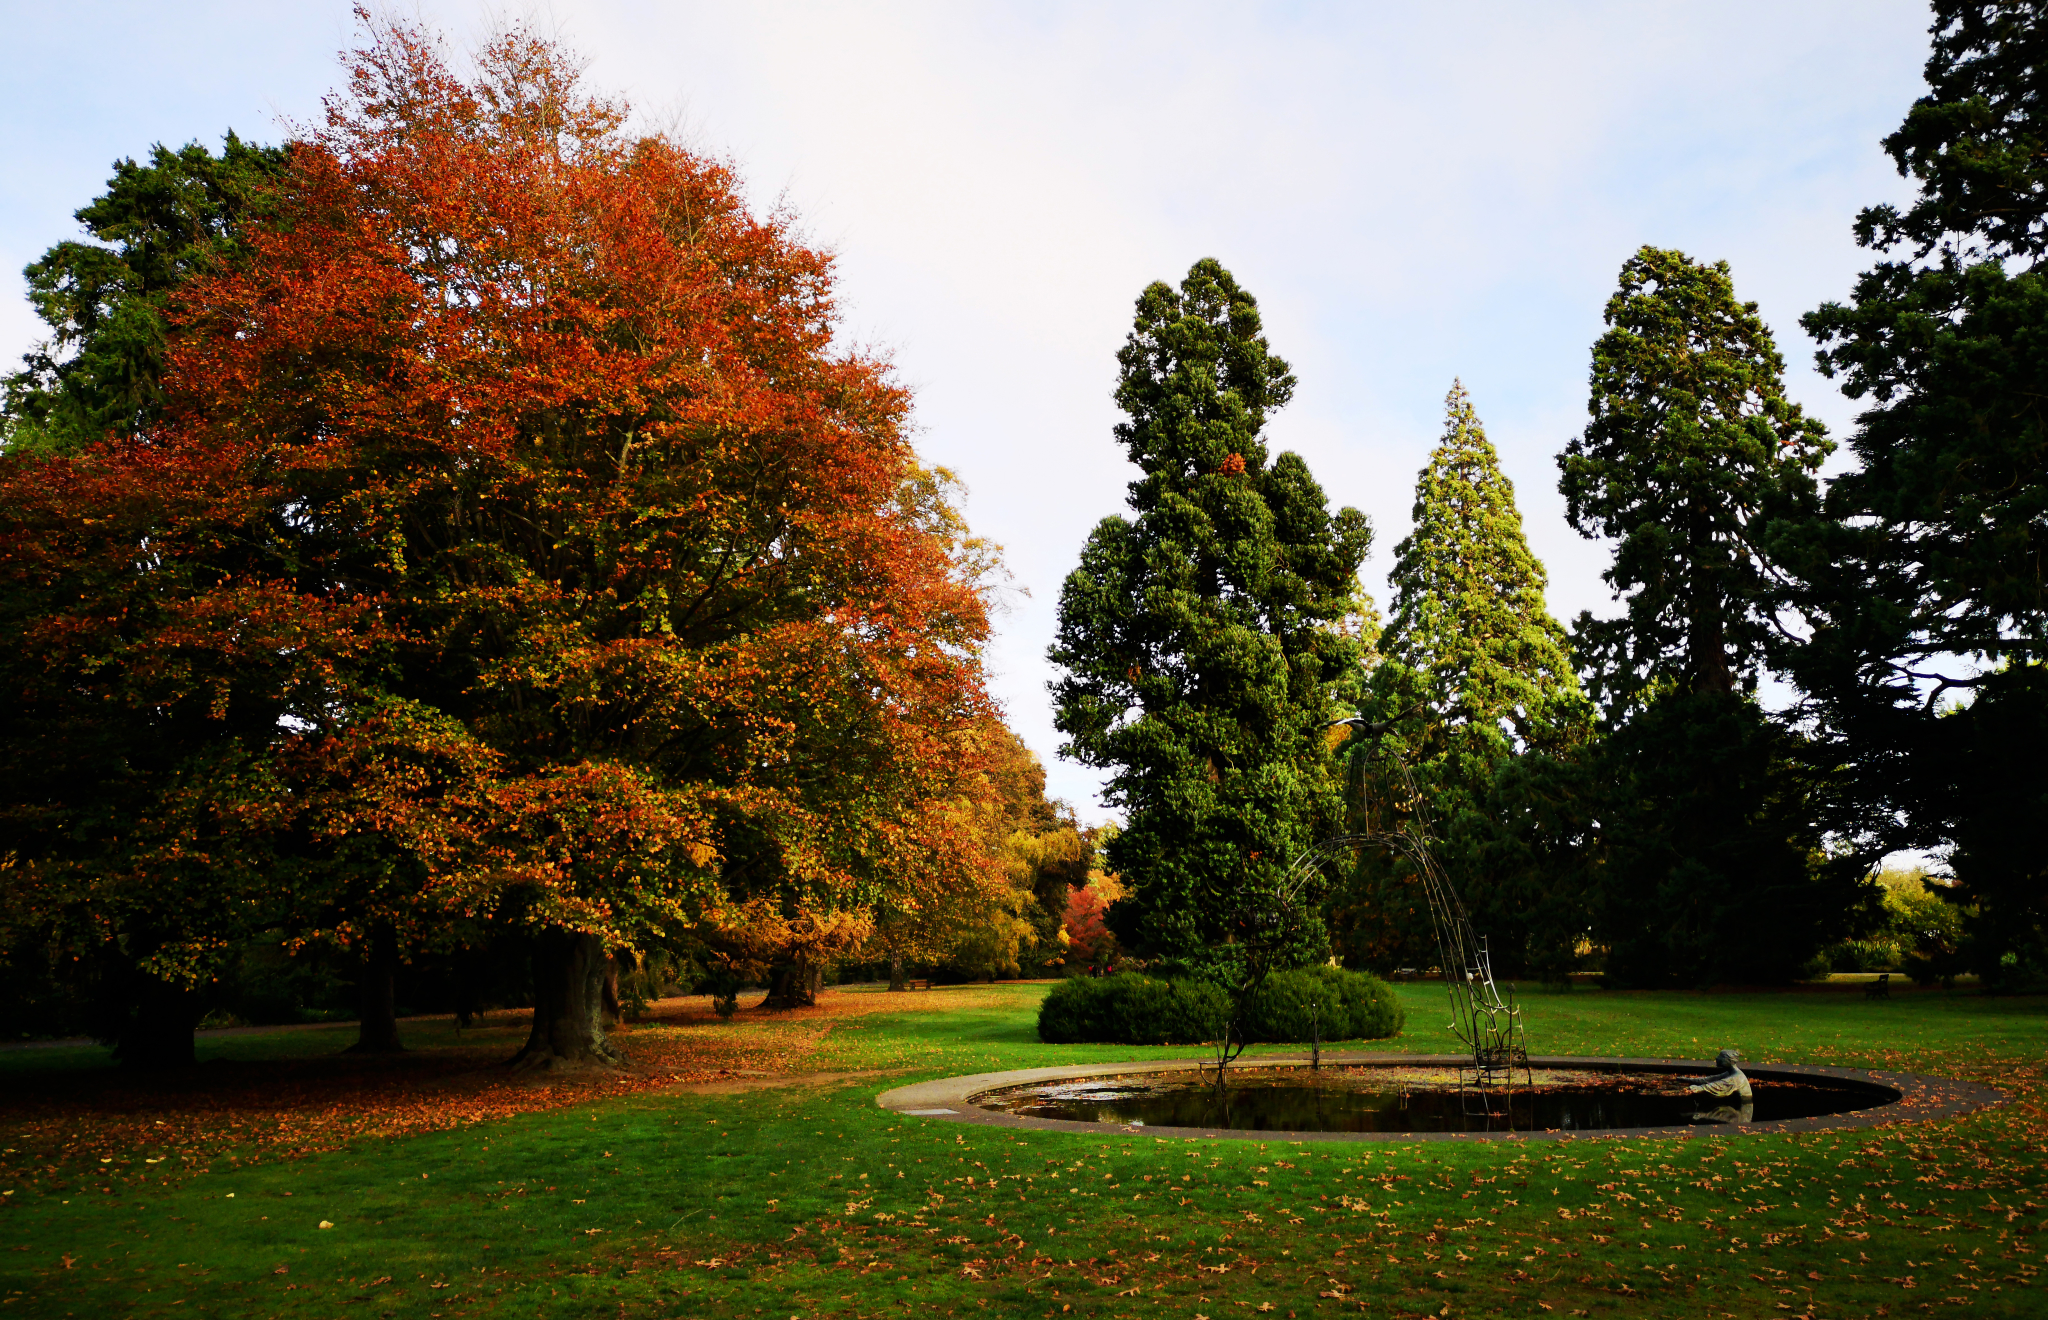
x=1133 y=1009
x=1349 y=1006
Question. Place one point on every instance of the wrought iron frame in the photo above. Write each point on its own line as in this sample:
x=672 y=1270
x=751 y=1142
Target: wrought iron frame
x=1486 y=1020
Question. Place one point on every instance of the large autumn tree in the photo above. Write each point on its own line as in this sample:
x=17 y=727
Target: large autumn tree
x=1927 y=579
x=1200 y=640
x=531 y=448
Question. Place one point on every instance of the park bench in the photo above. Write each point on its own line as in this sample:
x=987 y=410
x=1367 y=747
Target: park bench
x=1881 y=988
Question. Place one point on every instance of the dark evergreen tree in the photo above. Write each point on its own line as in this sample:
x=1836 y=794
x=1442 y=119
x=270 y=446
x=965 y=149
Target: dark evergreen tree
x=1691 y=448
x=108 y=303
x=1200 y=640
x=1472 y=650
x=1926 y=582
x=1711 y=824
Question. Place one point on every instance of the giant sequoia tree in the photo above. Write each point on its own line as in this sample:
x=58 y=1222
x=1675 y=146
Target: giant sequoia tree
x=1927 y=581
x=1691 y=456
x=1690 y=448
x=519 y=548
x=1481 y=674
x=1199 y=639
x=1467 y=617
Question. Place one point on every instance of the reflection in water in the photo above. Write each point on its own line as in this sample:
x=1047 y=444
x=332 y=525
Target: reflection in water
x=1355 y=1100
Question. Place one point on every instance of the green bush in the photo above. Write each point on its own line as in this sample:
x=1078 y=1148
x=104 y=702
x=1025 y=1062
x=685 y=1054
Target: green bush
x=1874 y=955
x=1133 y=1009
x=1349 y=1006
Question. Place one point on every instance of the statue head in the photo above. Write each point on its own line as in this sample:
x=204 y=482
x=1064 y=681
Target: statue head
x=1726 y=1059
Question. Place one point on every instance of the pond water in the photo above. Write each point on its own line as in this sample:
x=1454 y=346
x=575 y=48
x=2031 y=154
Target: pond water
x=1417 y=1100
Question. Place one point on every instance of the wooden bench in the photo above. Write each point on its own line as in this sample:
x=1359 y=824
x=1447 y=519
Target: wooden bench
x=1881 y=988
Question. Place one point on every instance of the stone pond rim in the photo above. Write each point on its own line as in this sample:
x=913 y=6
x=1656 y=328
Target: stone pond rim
x=1916 y=1098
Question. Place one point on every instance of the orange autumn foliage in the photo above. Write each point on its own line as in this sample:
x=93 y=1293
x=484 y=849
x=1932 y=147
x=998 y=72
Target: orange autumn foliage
x=573 y=572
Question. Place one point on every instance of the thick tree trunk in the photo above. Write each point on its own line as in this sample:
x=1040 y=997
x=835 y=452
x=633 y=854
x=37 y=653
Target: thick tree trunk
x=377 y=995
x=897 y=980
x=1708 y=639
x=158 y=1034
x=568 y=1004
x=793 y=984
x=613 y=1012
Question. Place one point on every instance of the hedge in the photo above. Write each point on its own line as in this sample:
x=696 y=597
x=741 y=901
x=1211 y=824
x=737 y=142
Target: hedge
x=1133 y=1009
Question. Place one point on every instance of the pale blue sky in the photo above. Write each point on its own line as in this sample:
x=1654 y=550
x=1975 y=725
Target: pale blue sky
x=1414 y=192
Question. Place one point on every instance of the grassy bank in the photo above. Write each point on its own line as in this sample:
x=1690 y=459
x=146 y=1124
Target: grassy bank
x=805 y=1199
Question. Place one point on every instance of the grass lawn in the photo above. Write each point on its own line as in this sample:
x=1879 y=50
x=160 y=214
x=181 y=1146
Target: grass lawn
x=690 y=1188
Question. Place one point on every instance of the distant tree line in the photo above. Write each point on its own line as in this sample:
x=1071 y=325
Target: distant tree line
x=1620 y=796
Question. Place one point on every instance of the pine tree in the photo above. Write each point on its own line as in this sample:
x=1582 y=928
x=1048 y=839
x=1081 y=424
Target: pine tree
x=1200 y=641
x=107 y=303
x=1471 y=643
x=1468 y=615
x=1926 y=583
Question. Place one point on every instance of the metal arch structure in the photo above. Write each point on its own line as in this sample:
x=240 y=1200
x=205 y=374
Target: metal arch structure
x=1488 y=1022
x=1263 y=928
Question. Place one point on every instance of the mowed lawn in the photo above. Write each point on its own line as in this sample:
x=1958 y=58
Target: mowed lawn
x=434 y=1186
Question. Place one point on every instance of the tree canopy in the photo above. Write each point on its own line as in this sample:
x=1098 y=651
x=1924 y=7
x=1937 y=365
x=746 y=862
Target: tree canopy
x=1468 y=617
x=1200 y=641
x=512 y=469
x=108 y=303
x=1690 y=449
x=1476 y=673
x=1923 y=581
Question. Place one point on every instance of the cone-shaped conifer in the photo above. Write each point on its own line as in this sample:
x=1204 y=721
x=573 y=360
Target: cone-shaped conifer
x=1471 y=644
x=1468 y=611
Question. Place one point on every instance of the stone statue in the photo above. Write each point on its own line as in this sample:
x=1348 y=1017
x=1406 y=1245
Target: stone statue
x=1728 y=1081
x=1728 y=1085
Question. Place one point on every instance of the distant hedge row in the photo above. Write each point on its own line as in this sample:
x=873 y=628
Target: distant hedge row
x=1132 y=1009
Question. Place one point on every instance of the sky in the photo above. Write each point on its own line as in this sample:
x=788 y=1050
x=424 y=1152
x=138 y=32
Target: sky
x=1415 y=194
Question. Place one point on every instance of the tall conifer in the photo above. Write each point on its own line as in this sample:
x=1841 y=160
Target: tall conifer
x=1710 y=811
x=1201 y=640
x=1468 y=612
x=1471 y=643
x=1925 y=585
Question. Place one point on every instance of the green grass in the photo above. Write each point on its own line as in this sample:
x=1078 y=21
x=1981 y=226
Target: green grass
x=808 y=1201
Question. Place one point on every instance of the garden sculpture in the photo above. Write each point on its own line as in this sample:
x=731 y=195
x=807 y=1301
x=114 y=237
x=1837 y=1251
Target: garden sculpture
x=1729 y=1080
x=1485 y=1019
x=1731 y=1086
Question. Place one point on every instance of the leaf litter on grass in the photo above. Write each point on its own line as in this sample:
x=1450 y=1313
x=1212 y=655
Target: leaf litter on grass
x=129 y=1130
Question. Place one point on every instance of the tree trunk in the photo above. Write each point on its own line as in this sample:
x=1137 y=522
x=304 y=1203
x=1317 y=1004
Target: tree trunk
x=158 y=1033
x=897 y=980
x=792 y=984
x=613 y=1013
x=1707 y=640
x=568 y=1004
x=377 y=997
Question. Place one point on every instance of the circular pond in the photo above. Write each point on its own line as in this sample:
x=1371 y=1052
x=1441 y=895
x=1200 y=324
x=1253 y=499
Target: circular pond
x=1363 y=1097
x=1417 y=1099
